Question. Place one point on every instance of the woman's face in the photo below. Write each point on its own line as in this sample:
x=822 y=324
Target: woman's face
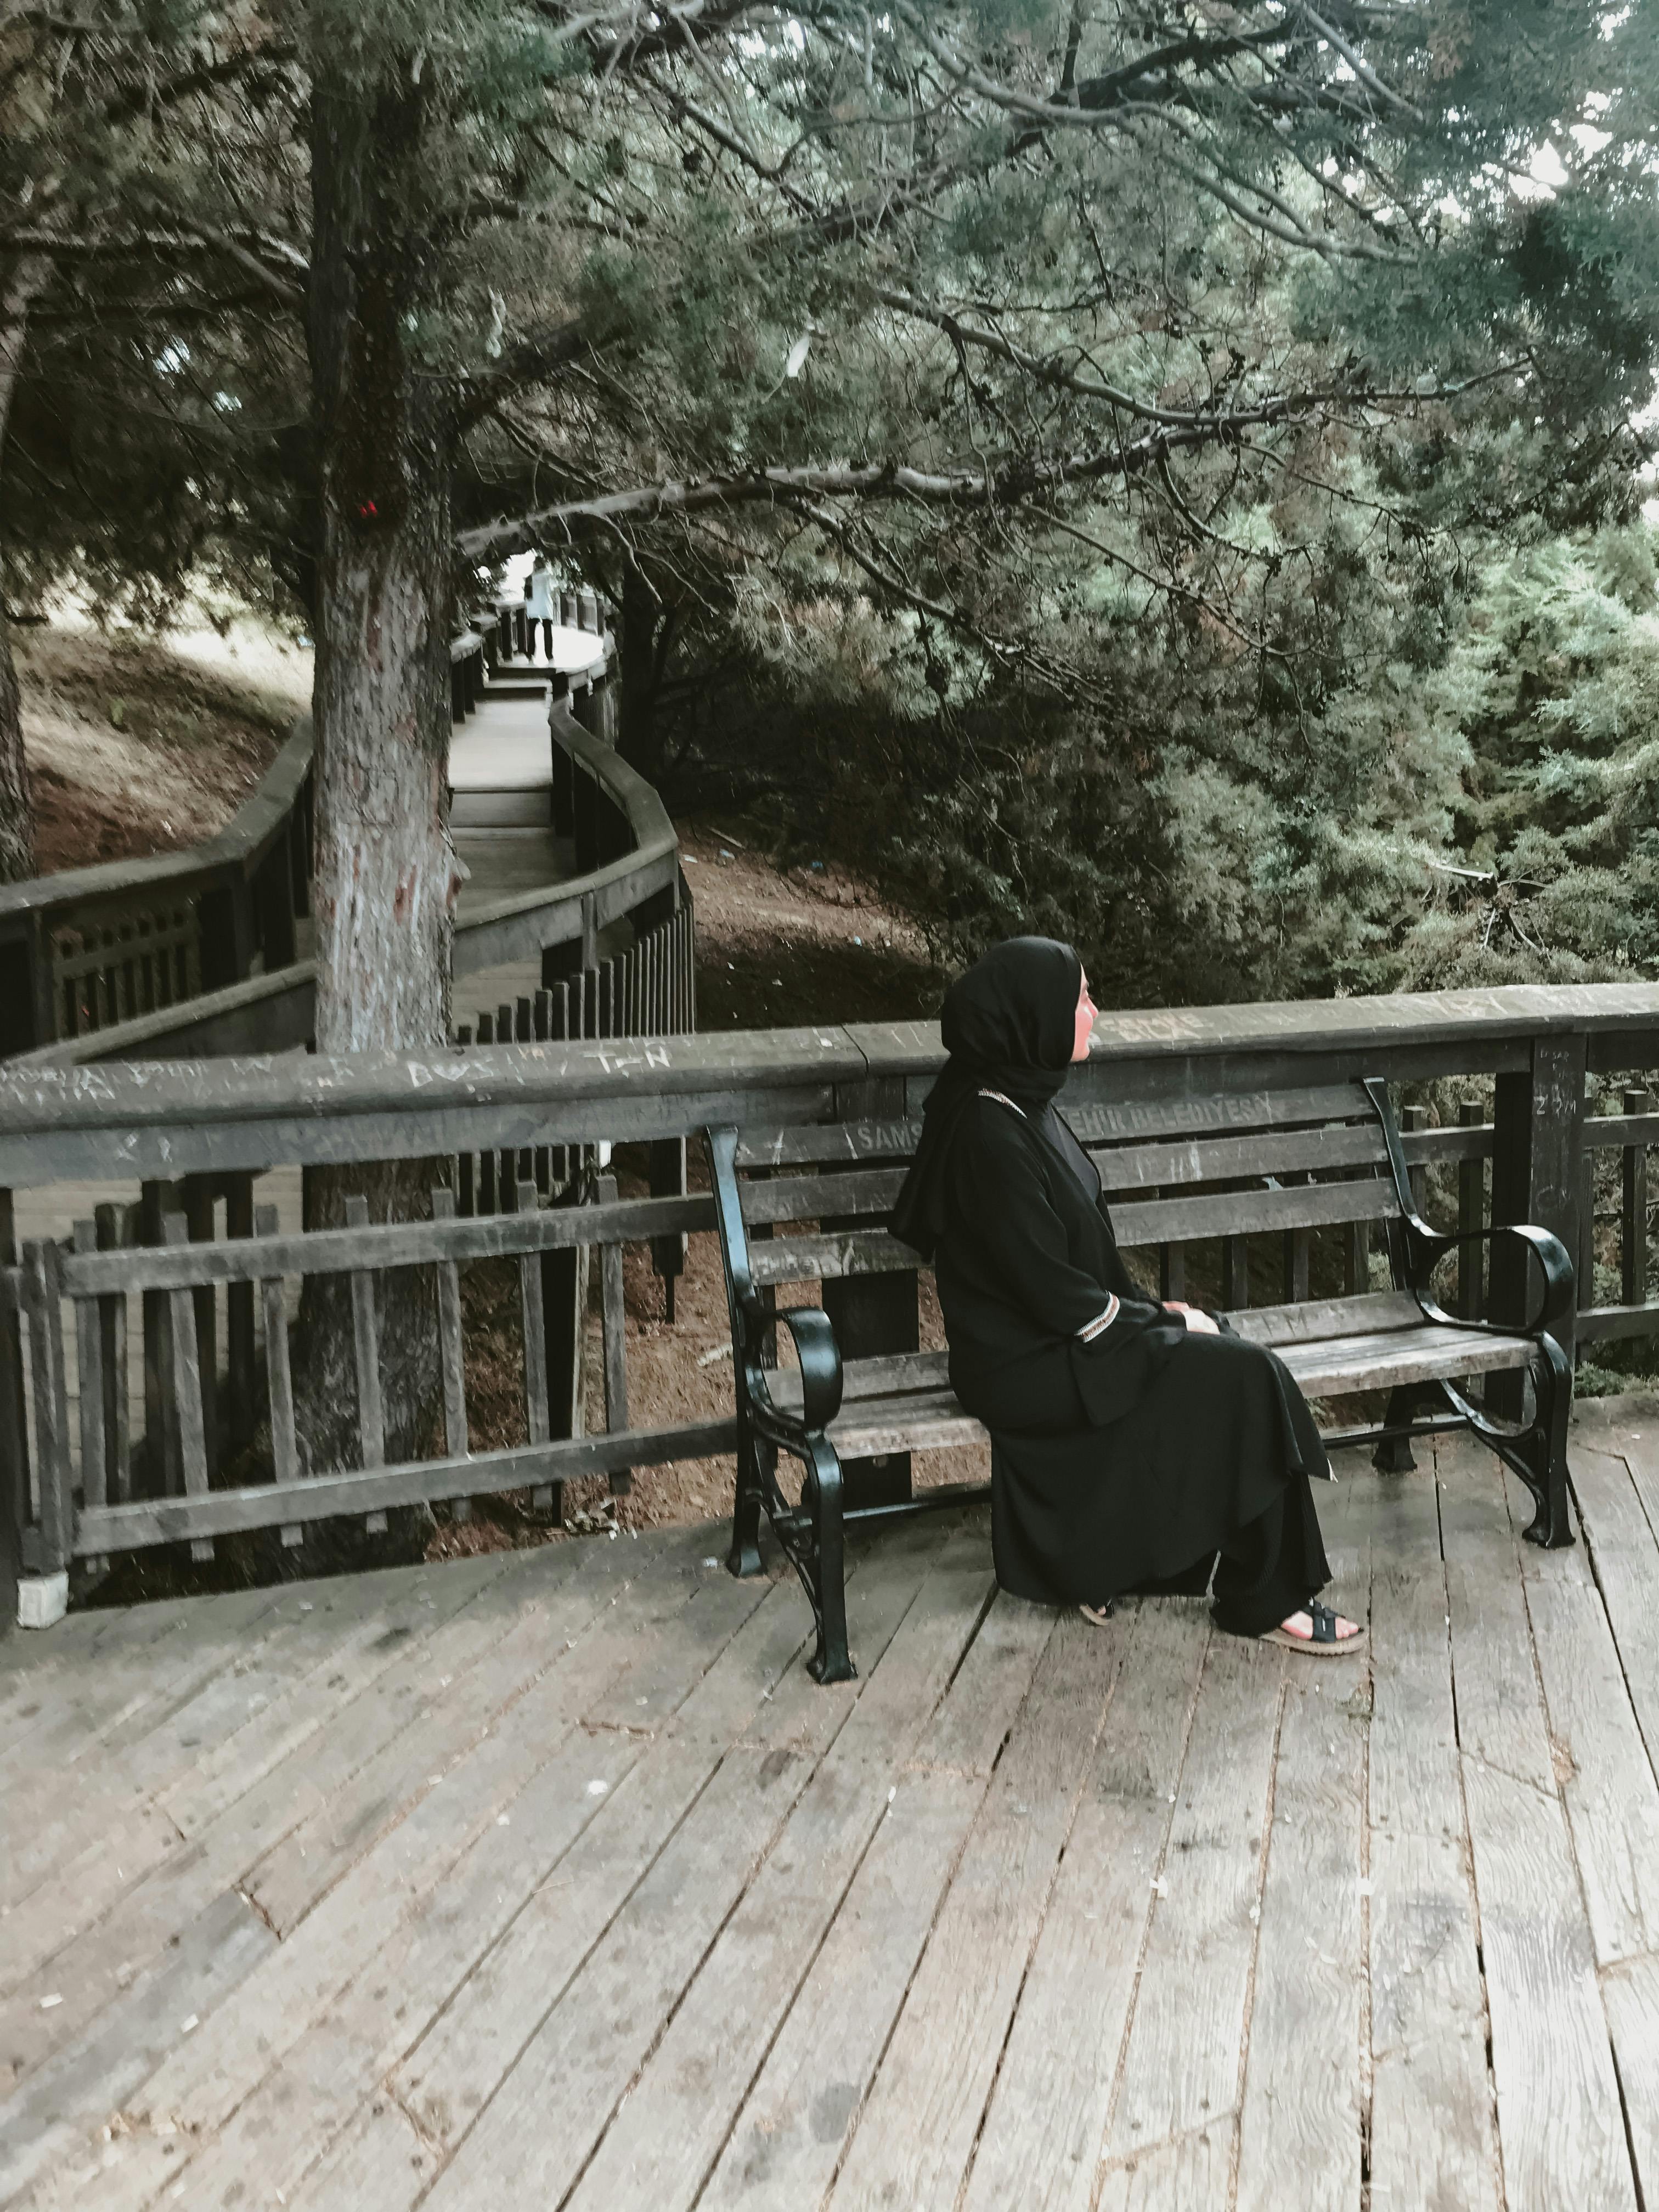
x=1083 y=1029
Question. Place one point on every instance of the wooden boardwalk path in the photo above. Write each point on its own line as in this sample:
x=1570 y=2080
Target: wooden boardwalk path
x=502 y=752
x=550 y=1879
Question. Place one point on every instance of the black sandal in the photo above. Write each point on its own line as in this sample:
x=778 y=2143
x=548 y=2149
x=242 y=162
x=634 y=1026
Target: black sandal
x=1324 y=1642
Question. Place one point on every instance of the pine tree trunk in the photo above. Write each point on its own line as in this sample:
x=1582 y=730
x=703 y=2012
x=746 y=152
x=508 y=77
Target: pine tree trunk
x=642 y=651
x=385 y=875
x=16 y=812
x=24 y=282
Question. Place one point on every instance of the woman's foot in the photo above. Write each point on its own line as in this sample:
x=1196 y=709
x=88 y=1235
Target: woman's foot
x=1317 y=1630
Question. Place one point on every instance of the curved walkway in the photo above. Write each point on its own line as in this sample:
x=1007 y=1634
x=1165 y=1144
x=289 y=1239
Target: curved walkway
x=501 y=773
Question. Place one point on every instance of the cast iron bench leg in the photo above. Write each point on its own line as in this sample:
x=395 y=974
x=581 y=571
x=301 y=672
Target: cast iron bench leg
x=744 y=1557
x=832 y=1662
x=1544 y=1449
x=1393 y=1455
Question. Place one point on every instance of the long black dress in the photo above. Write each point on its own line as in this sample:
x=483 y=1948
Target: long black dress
x=1129 y=1460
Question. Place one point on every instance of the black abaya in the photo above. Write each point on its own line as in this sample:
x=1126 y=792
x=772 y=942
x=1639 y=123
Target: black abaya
x=1130 y=1457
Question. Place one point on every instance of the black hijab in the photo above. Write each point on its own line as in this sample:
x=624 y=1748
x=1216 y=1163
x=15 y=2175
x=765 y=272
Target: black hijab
x=1008 y=1026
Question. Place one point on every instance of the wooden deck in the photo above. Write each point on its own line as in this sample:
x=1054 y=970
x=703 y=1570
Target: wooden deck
x=550 y=1879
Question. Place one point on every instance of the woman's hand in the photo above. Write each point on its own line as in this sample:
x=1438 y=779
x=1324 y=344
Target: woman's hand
x=1200 y=1323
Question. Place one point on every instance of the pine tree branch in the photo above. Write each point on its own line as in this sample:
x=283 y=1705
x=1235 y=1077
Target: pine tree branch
x=1012 y=478
x=533 y=358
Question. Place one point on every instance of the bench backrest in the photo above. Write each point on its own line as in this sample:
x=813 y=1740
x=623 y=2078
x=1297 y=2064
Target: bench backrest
x=1294 y=1161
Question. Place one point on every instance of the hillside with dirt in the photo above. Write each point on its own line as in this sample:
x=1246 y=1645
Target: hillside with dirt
x=139 y=744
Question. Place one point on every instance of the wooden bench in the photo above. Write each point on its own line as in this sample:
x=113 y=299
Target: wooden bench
x=806 y=1204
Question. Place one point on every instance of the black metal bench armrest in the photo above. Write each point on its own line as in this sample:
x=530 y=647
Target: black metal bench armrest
x=810 y=1326
x=1424 y=1245
x=819 y=1355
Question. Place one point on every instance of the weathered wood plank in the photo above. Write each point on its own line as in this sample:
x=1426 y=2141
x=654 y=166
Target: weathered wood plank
x=115 y=1225
x=1623 y=1545
x=90 y=1385
x=1631 y=1990
x=1432 y=2138
x=321 y=2020
x=789 y=2139
x=61 y=2103
x=1147 y=1221
x=188 y=1407
x=340 y=2062
x=103 y=1670
x=222 y=1723
x=366 y=1340
x=258 y=1505
x=1596 y=1742
x=301 y=1868
x=1560 y=2128
x=378 y=2164
x=1047 y=2121
x=450 y=1349
x=352 y=1774
x=54 y=1496
x=385 y=1244
x=663 y=2142
x=279 y=1376
x=915 y=2135
x=613 y=1321
x=533 y=1326
x=1299 y=2122
x=1194 y=2170
x=594 y=2021
x=1180 y=2067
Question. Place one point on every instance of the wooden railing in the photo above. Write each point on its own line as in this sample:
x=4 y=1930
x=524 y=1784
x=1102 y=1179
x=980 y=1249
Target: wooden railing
x=193 y=954
x=90 y=951
x=79 y=1316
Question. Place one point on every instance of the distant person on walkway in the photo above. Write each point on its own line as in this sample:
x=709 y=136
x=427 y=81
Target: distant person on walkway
x=1134 y=1446
x=540 y=605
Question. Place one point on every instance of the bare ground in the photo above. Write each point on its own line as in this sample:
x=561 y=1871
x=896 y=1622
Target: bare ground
x=138 y=744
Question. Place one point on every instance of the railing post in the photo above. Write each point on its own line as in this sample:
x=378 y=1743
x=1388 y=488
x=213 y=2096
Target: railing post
x=1538 y=1136
x=1633 y=1209
x=14 y=1435
x=40 y=982
x=1470 y=1215
x=43 y=1591
x=162 y=1463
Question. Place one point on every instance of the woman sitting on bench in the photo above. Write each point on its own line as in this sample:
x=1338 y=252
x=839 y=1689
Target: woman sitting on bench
x=1132 y=1442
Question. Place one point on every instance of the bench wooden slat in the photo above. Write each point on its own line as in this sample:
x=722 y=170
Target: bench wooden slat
x=1314 y=1319
x=1150 y=1221
x=1375 y=1363
x=821 y=1144
x=817 y=1143
x=1318 y=1320
x=1118 y=1121
x=903 y=1403
x=1220 y=1159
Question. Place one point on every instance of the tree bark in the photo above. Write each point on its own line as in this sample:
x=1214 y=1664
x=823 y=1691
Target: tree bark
x=386 y=880
x=25 y=281
x=648 y=628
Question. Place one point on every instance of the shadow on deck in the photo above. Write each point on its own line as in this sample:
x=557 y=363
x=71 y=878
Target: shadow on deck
x=551 y=1878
